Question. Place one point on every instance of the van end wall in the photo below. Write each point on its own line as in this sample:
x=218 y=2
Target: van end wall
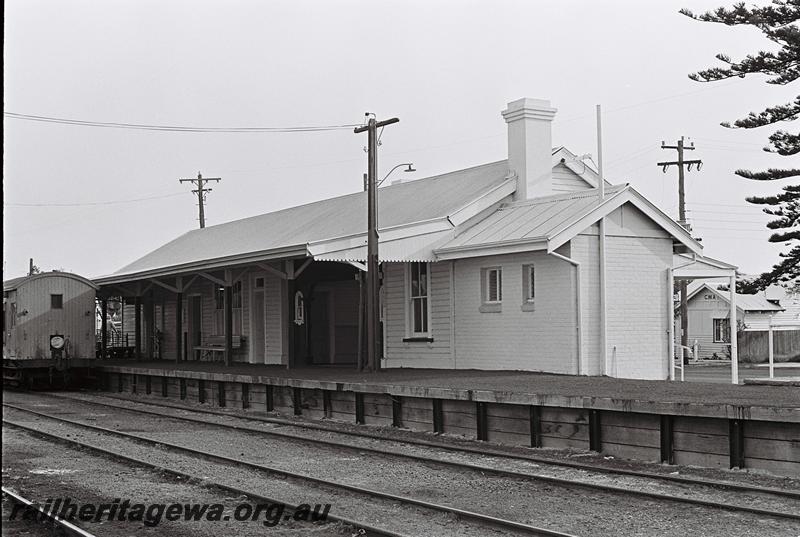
x=30 y=337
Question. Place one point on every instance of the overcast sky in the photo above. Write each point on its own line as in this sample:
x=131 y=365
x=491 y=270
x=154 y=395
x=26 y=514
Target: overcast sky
x=445 y=68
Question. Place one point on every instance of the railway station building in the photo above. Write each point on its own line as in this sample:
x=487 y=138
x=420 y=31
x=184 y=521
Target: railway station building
x=497 y=266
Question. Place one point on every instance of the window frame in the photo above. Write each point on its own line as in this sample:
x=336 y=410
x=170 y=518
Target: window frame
x=219 y=309
x=722 y=324
x=487 y=305
x=498 y=287
x=529 y=283
x=60 y=305
x=411 y=332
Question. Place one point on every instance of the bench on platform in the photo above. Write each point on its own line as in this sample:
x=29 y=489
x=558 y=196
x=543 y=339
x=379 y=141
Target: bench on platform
x=212 y=346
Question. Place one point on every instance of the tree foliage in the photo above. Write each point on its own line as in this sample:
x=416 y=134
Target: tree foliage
x=778 y=22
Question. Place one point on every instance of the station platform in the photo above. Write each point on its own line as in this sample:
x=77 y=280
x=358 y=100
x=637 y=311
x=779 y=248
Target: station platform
x=694 y=423
x=771 y=403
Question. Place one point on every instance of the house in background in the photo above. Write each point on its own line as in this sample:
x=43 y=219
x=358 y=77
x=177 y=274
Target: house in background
x=709 y=326
x=518 y=264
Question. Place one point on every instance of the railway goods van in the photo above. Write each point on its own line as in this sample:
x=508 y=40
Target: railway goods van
x=48 y=326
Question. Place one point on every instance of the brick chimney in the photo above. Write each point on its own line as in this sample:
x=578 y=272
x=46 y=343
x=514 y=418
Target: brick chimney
x=530 y=146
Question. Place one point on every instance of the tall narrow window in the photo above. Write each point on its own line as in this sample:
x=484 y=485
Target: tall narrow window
x=494 y=286
x=418 y=298
x=56 y=302
x=529 y=283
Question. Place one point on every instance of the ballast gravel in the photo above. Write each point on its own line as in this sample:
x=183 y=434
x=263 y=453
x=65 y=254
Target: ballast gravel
x=575 y=510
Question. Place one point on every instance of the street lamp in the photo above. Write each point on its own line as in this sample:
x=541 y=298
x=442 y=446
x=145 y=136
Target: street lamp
x=409 y=169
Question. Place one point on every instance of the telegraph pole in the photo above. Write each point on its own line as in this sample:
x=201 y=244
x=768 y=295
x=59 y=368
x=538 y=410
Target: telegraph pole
x=373 y=287
x=201 y=193
x=680 y=163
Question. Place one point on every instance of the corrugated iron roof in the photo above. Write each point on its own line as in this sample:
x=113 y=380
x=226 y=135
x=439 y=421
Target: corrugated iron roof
x=753 y=302
x=406 y=249
x=14 y=283
x=400 y=204
x=529 y=220
x=757 y=302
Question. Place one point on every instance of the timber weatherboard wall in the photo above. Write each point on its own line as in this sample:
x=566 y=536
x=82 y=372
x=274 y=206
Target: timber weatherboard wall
x=706 y=306
x=565 y=180
x=274 y=315
x=439 y=352
x=702 y=312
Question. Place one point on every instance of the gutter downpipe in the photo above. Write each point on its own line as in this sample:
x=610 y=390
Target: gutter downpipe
x=732 y=329
x=580 y=366
x=671 y=324
x=602 y=262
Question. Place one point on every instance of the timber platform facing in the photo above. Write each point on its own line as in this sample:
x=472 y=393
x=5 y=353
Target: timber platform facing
x=683 y=423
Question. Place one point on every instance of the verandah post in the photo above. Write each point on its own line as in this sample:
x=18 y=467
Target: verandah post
x=228 y=323
x=178 y=326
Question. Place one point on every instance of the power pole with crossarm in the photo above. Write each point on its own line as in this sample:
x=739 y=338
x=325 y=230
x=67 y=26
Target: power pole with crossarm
x=201 y=193
x=373 y=285
x=680 y=147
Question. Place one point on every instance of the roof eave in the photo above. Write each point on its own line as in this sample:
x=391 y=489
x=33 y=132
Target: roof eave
x=206 y=264
x=612 y=202
x=497 y=248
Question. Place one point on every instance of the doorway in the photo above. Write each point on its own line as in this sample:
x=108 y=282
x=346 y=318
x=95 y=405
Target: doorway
x=334 y=323
x=195 y=328
x=258 y=326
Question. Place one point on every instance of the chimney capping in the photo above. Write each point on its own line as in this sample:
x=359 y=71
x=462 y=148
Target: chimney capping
x=528 y=108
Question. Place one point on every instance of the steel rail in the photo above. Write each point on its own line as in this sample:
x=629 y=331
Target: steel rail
x=440 y=445
x=485 y=519
x=201 y=481
x=470 y=466
x=68 y=527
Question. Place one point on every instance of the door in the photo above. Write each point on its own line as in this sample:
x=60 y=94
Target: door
x=258 y=327
x=195 y=324
x=319 y=325
x=345 y=323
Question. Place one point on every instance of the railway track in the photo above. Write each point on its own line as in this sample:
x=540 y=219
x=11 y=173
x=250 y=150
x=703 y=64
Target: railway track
x=60 y=525
x=479 y=519
x=483 y=468
x=454 y=448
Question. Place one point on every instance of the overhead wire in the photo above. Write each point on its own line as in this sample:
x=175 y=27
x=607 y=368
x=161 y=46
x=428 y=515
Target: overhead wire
x=174 y=128
x=657 y=99
x=94 y=203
